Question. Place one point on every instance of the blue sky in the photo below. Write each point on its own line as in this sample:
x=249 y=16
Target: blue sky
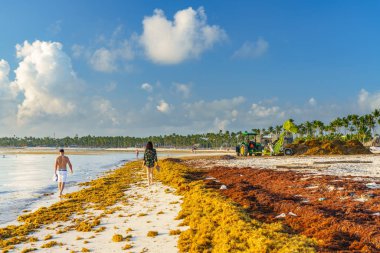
x=157 y=67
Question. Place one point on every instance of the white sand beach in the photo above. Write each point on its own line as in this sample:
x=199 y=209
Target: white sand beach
x=143 y=209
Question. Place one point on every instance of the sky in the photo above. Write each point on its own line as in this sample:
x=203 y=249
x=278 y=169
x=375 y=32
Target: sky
x=142 y=68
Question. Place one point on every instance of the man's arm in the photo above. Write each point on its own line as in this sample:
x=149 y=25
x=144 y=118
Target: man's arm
x=70 y=165
x=56 y=166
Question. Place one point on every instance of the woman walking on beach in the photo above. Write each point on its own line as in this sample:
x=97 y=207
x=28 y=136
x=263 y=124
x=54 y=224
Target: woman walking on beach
x=150 y=161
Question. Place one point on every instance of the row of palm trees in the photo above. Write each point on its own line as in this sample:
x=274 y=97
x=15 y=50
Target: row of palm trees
x=361 y=127
x=353 y=126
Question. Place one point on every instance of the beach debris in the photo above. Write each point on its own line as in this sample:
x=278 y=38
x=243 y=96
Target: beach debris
x=376 y=214
x=330 y=188
x=292 y=214
x=312 y=187
x=373 y=185
x=280 y=216
x=210 y=178
x=362 y=198
x=223 y=187
x=321 y=199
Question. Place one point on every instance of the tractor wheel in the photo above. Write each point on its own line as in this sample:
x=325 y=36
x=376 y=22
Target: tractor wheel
x=288 y=151
x=243 y=150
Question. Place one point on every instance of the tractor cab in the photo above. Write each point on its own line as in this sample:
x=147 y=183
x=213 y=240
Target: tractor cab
x=250 y=146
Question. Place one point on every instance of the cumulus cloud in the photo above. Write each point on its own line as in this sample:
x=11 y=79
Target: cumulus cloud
x=4 y=75
x=252 y=49
x=105 y=110
x=263 y=111
x=187 y=36
x=368 y=101
x=110 y=54
x=164 y=107
x=182 y=89
x=312 y=102
x=206 y=110
x=107 y=59
x=147 y=87
x=78 y=51
x=103 y=60
x=46 y=79
x=221 y=124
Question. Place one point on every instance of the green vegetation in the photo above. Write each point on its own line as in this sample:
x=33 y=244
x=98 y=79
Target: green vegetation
x=360 y=127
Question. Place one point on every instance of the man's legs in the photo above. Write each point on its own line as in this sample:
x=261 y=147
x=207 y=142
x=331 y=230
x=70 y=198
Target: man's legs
x=61 y=186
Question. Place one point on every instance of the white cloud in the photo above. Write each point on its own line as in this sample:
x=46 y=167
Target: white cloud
x=164 y=107
x=220 y=107
x=110 y=55
x=107 y=113
x=4 y=75
x=312 y=102
x=221 y=124
x=147 y=87
x=252 y=49
x=368 y=101
x=103 y=60
x=263 y=111
x=78 y=51
x=46 y=79
x=187 y=36
x=109 y=59
x=182 y=89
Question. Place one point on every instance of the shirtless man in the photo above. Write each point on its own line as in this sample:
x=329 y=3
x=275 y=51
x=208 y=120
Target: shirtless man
x=61 y=165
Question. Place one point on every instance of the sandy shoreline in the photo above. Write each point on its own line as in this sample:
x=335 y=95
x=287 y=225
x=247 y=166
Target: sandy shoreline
x=145 y=209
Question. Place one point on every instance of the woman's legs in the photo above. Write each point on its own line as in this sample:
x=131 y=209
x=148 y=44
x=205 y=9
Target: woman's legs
x=149 y=172
x=151 y=175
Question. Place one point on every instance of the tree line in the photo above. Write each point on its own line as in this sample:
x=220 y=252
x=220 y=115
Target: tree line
x=353 y=126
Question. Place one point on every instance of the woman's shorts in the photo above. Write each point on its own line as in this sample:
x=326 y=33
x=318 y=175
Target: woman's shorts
x=62 y=175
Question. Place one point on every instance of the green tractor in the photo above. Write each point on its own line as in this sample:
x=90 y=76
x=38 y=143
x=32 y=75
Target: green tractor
x=249 y=146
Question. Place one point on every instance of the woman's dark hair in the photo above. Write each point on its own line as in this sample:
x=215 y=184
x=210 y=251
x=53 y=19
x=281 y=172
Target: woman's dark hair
x=149 y=145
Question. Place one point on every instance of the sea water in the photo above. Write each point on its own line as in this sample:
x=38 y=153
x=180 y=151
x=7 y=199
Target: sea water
x=26 y=179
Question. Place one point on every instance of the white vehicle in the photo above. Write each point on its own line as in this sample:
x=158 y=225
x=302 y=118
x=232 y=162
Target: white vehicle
x=375 y=150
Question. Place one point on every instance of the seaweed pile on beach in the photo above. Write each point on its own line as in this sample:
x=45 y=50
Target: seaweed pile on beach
x=340 y=213
x=217 y=224
x=328 y=147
